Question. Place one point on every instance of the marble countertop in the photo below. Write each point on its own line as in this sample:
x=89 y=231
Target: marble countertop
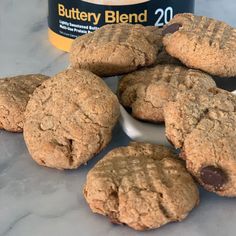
x=39 y=201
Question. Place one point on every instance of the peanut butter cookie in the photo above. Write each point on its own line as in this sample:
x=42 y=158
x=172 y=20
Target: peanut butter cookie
x=202 y=43
x=14 y=95
x=162 y=56
x=69 y=119
x=142 y=185
x=146 y=91
x=115 y=49
x=203 y=125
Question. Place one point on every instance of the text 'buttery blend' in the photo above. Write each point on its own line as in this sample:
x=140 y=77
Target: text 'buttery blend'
x=69 y=19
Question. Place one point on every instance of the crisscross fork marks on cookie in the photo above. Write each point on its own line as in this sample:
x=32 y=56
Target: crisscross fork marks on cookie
x=203 y=43
x=115 y=49
x=146 y=91
x=111 y=34
x=129 y=186
x=216 y=33
x=228 y=39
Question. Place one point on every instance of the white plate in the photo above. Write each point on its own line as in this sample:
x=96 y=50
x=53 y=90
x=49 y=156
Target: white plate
x=141 y=131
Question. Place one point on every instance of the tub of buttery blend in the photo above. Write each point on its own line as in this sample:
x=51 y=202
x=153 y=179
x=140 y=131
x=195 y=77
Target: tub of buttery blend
x=68 y=19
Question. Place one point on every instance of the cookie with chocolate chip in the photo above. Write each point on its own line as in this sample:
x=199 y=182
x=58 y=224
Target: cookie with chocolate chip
x=69 y=119
x=142 y=185
x=202 y=43
x=14 y=96
x=115 y=49
x=203 y=125
x=146 y=91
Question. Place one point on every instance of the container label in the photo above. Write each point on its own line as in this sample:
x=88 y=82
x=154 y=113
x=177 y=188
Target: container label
x=75 y=17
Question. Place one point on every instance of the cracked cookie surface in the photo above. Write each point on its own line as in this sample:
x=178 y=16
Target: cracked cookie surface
x=69 y=119
x=142 y=185
x=146 y=91
x=202 y=43
x=203 y=124
x=14 y=96
x=115 y=49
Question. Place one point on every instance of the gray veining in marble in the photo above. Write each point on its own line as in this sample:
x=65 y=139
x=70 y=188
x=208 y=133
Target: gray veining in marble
x=36 y=201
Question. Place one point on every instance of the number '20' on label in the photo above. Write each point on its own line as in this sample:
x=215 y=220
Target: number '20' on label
x=163 y=16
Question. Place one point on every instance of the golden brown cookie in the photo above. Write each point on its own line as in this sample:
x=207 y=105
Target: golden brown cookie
x=146 y=91
x=202 y=43
x=14 y=95
x=203 y=125
x=115 y=49
x=142 y=185
x=69 y=119
x=162 y=56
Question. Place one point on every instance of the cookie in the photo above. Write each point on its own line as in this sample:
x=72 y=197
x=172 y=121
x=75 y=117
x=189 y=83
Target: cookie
x=146 y=91
x=202 y=43
x=203 y=125
x=69 y=119
x=162 y=56
x=14 y=95
x=142 y=185
x=115 y=49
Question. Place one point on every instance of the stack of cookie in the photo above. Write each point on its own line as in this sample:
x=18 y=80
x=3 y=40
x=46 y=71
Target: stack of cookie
x=178 y=89
x=68 y=119
x=199 y=117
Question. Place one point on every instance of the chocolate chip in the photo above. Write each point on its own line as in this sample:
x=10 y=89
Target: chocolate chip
x=170 y=29
x=213 y=176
